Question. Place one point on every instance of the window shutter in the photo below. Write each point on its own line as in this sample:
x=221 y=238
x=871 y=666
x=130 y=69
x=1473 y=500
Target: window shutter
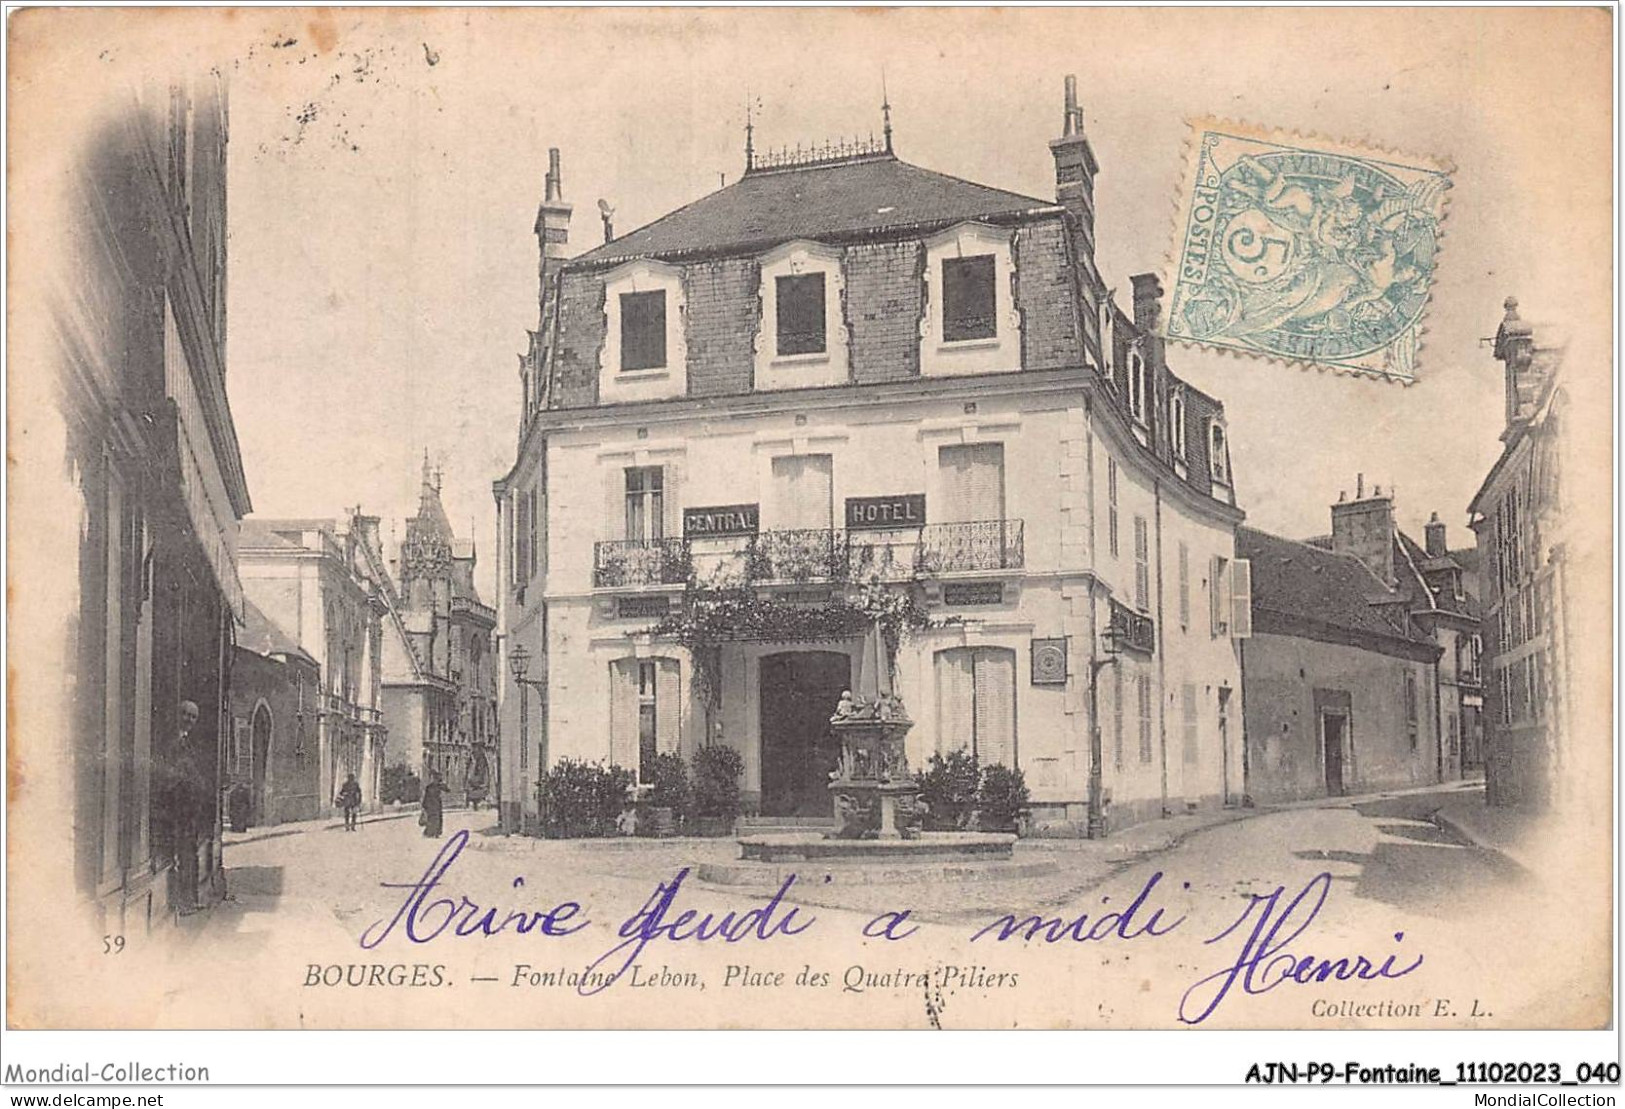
x=1241 y=599
x=995 y=678
x=623 y=712
x=955 y=699
x=614 y=525
x=1117 y=714
x=668 y=705
x=973 y=482
x=1184 y=585
x=672 y=500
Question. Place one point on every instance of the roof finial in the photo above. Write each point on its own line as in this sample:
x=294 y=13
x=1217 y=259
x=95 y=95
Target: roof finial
x=750 y=150
x=885 y=109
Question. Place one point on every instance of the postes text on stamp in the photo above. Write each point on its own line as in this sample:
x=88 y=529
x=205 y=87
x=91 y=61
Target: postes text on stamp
x=1306 y=250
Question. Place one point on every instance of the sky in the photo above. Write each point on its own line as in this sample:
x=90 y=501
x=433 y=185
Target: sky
x=385 y=170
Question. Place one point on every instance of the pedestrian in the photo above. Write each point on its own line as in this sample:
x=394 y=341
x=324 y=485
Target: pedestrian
x=350 y=800
x=433 y=813
x=185 y=796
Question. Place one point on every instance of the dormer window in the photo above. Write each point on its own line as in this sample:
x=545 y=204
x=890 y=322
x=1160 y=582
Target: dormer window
x=970 y=325
x=1176 y=422
x=643 y=356
x=1218 y=453
x=800 y=314
x=643 y=330
x=968 y=300
x=802 y=341
x=1138 y=385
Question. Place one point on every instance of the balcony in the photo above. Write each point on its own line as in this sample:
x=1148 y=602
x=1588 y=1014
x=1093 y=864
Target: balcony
x=798 y=555
x=630 y=562
x=977 y=546
x=806 y=555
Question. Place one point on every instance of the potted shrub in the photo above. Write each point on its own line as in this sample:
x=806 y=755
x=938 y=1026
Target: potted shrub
x=667 y=798
x=1002 y=800
x=717 y=770
x=948 y=790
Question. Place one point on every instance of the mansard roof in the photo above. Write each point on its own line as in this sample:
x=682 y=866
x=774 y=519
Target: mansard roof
x=768 y=206
x=1306 y=591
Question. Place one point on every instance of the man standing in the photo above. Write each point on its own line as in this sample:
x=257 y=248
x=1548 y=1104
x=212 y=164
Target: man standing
x=184 y=796
x=350 y=800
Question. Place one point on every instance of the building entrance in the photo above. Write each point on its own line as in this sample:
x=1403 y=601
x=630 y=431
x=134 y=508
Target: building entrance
x=1332 y=728
x=799 y=692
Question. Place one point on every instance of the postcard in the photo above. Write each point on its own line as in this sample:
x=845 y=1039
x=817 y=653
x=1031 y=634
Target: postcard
x=965 y=519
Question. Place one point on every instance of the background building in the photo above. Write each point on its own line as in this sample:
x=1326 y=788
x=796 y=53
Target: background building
x=317 y=582
x=1520 y=515
x=153 y=460
x=272 y=765
x=846 y=385
x=439 y=666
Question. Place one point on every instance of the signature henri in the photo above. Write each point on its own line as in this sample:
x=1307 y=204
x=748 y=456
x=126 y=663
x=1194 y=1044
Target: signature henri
x=1262 y=963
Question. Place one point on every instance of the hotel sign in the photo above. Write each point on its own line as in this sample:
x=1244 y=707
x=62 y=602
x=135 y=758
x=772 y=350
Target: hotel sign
x=1132 y=631
x=727 y=519
x=973 y=593
x=902 y=510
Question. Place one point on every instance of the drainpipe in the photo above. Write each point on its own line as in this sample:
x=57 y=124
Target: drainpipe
x=1162 y=651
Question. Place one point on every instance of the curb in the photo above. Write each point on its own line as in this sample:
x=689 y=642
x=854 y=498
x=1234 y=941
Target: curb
x=1451 y=824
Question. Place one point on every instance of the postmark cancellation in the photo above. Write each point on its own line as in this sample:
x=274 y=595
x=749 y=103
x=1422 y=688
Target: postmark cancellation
x=1306 y=250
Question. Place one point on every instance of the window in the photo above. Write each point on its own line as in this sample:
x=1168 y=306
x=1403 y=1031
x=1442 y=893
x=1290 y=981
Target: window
x=534 y=536
x=644 y=712
x=972 y=482
x=803 y=492
x=521 y=538
x=1184 y=585
x=1143 y=682
x=800 y=313
x=1142 y=565
x=968 y=299
x=1176 y=423
x=643 y=330
x=645 y=502
x=1111 y=498
x=976 y=701
x=1412 y=729
x=648 y=717
x=1219 y=594
x=1117 y=714
x=1217 y=453
x=1138 y=385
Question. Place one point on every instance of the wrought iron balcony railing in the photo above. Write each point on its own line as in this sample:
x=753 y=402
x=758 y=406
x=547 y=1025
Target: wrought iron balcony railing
x=979 y=545
x=623 y=562
x=798 y=555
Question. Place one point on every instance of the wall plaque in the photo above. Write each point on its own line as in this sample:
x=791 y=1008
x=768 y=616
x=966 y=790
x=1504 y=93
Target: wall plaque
x=654 y=606
x=726 y=519
x=902 y=510
x=973 y=593
x=1049 y=661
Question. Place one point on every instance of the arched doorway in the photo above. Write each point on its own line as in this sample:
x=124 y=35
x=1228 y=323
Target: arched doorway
x=261 y=737
x=799 y=692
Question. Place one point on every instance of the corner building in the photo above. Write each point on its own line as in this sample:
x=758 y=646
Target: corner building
x=846 y=374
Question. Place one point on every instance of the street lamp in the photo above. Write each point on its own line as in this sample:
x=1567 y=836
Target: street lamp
x=518 y=664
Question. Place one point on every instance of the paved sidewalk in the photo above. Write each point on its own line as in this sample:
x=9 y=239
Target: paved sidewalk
x=1507 y=832
x=331 y=823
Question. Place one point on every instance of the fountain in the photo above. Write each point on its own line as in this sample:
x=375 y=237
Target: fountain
x=876 y=798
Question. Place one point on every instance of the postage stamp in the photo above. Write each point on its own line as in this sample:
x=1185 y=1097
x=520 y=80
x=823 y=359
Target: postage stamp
x=1306 y=250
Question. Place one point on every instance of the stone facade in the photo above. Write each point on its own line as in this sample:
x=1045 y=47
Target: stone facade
x=981 y=452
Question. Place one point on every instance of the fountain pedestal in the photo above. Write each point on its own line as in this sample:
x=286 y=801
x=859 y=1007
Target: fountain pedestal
x=874 y=791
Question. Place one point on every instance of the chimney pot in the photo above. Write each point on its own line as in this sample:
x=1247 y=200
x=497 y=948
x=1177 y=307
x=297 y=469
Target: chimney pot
x=1359 y=487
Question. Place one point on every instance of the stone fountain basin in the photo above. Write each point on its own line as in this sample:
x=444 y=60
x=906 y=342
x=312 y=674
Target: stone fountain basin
x=930 y=846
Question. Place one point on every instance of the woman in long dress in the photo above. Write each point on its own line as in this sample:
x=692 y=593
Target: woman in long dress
x=433 y=806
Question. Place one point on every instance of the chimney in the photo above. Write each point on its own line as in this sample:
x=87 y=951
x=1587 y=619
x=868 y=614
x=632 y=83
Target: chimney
x=552 y=221
x=1075 y=169
x=1147 y=302
x=1364 y=527
x=1433 y=532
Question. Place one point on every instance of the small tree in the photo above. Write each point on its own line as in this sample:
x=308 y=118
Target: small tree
x=668 y=790
x=1002 y=799
x=399 y=784
x=717 y=770
x=583 y=799
x=948 y=788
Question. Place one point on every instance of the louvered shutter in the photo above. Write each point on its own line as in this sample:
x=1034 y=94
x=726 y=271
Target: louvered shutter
x=995 y=678
x=955 y=700
x=973 y=482
x=1241 y=599
x=668 y=705
x=623 y=712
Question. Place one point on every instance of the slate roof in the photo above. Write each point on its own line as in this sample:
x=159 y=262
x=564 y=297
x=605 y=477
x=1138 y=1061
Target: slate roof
x=1434 y=572
x=263 y=637
x=1303 y=590
x=766 y=207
